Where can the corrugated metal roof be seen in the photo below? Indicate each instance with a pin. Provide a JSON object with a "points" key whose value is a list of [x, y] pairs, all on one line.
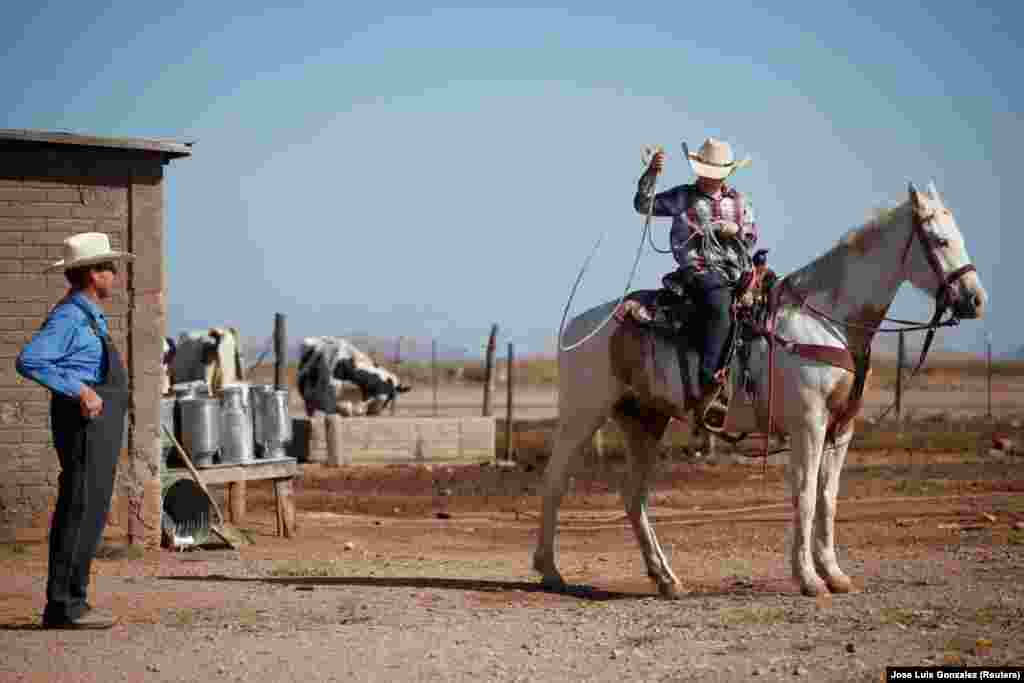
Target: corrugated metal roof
{"points": [[172, 149]]}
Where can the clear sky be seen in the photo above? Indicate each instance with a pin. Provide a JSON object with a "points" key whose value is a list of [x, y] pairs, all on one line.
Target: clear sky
{"points": [[396, 169]]}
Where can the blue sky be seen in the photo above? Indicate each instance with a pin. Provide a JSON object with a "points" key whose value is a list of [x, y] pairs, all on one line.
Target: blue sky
{"points": [[407, 170]]}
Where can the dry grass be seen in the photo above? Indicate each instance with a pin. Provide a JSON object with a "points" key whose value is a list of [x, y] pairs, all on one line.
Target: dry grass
{"points": [[898, 615], [12, 551], [533, 439], [919, 487], [355, 565]]}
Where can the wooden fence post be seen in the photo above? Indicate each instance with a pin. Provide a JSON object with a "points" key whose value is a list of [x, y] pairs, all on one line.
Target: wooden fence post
{"points": [[489, 369], [280, 352], [398, 364], [988, 372], [509, 451], [899, 382], [433, 370]]}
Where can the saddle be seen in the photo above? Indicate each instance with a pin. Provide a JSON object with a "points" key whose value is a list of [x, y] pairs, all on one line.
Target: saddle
{"points": [[672, 314]]}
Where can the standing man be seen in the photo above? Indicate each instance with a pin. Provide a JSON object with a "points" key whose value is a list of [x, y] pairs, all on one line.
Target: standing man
{"points": [[713, 230], [72, 356]]}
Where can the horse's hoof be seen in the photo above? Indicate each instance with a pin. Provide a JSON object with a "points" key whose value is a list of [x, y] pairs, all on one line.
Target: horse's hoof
{"points": [[814, 589], [553, 583], [672, 590], [839, 584]]}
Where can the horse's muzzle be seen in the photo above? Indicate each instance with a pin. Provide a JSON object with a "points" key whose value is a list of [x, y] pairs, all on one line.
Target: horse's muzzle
{"points": [[970, 304]]}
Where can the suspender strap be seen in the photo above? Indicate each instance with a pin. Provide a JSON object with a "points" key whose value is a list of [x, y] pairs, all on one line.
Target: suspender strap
{"points": [[90, 317], [104, 339]]}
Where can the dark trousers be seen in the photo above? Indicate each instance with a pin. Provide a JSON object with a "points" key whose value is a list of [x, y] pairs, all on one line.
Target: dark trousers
{"points": [[713, 298], [84, 492]]}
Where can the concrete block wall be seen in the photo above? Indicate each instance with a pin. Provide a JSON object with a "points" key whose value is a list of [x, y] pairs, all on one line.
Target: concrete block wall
{"points": [[400, 439], [47, 193]]}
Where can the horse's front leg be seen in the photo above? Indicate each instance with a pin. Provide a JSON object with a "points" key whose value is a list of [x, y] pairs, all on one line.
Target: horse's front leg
{"points": [[824, 525], [574, 431], [804, 461], [643, 435]]}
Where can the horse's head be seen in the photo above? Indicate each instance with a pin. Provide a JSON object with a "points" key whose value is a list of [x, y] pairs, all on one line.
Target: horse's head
{"points": [[937, 259]]}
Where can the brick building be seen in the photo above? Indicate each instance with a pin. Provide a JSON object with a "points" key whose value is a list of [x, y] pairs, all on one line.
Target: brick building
{"points": [[53, 185]]}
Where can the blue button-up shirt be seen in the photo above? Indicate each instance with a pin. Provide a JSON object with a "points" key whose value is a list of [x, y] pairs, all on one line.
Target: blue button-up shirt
{"points": [[65, 352]]}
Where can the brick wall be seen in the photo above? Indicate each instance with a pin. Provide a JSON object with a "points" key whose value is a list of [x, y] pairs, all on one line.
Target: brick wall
{"points": [[47, 193]]}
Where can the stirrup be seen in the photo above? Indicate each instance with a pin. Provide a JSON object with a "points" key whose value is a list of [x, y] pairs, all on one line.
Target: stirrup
{"points": [[713, 409]]}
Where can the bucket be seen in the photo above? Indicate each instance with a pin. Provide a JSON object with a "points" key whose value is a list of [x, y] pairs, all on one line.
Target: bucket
{"points": [[272, 425], [236, 424], [200, 429], [276, 423], [259, 394]]}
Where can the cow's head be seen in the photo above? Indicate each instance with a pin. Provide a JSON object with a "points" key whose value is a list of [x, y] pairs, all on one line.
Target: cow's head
{"points": [[379, 386], [344, 363]]}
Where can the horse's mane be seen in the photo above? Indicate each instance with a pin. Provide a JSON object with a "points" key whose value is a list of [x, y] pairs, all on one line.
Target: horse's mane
{"points": [[821, 273]]}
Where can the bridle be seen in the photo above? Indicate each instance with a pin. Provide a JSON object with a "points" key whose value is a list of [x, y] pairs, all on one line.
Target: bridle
{"points": [[943, 299], [943, 294], [859, 363]]}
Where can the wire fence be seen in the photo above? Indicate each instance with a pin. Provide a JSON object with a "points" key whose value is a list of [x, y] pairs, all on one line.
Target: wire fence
{"points": [[974, 404]]}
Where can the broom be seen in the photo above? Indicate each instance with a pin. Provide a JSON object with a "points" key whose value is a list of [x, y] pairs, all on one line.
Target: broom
{"points": [[220, 529]]}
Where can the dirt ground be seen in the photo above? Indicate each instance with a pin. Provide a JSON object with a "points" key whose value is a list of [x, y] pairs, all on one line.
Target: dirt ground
{"points": [[422, 573]]}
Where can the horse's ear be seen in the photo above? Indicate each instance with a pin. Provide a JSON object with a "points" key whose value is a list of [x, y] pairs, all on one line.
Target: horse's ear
{"points": [[916, 198], [934, 193]]}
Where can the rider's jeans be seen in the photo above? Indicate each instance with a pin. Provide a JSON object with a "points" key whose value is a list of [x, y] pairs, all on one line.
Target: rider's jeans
{"points": [[713, 297]]}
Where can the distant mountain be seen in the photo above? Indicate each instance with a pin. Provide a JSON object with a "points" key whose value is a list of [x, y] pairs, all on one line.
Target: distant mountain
{"points": [[1016, 354]]}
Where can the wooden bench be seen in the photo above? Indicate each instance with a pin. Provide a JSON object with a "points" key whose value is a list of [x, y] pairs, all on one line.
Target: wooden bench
{"points": [[281, 471]]}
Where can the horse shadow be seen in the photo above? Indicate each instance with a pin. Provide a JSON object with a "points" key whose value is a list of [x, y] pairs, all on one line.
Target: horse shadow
{"points": [[582, 592], [578, 591]]}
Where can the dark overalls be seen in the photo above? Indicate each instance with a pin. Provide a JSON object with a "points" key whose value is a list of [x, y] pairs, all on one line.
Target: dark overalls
{"points": [[88, 450]]}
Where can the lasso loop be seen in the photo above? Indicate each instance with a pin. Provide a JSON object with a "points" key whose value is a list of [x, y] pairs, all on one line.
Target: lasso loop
{"points": [[646, 154]]}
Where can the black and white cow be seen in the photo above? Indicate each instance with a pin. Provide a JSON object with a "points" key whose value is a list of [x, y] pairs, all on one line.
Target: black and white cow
{"points": [[326, 363], [213, 355], [166, 360]]}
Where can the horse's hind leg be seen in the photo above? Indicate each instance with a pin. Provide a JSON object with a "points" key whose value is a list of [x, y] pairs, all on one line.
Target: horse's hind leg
{"points": [[574, 432], [824, 549], [643, 434]]}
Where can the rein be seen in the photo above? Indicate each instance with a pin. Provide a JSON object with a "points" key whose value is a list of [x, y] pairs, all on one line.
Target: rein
{"points": [[859, 364]]}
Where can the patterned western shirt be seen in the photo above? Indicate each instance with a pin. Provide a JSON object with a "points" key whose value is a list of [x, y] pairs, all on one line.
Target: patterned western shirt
{"points": [[692, 214]]}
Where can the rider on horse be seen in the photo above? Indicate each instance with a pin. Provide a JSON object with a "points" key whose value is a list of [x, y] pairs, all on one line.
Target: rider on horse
{"points": [[713, 231]]}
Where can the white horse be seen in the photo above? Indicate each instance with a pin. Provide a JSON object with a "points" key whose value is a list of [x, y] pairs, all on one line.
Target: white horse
{"points": [[632, 376]]}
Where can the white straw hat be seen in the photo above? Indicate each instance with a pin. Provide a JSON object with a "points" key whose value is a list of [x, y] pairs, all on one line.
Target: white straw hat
{"points": [[714, 159], [86, 249]]}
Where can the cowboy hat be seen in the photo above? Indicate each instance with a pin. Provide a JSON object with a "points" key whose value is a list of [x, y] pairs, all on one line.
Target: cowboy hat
{"points": [[714, 159], [86, 249]]}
